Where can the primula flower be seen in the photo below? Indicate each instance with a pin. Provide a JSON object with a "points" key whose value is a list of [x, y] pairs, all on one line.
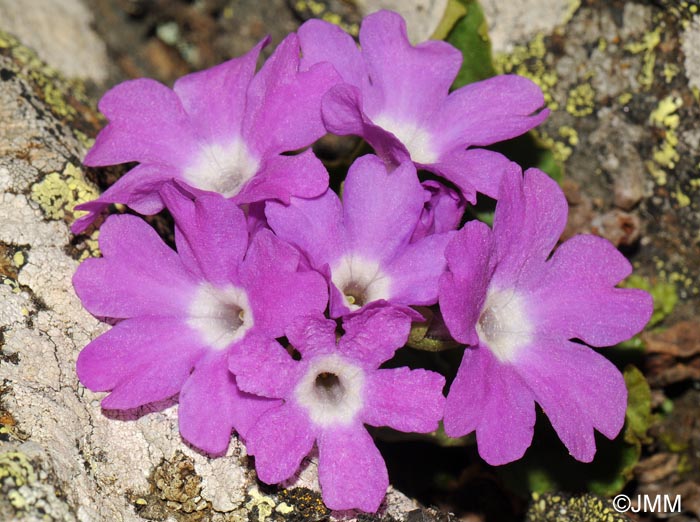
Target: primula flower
{"points": [[222, 130], [329, 394], [363, 246], [396, 96], [181, 313], [520, 311]]}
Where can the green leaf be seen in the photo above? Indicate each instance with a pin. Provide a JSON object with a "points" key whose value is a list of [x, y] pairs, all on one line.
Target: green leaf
{"points": [[470, 36], [454, 12]]}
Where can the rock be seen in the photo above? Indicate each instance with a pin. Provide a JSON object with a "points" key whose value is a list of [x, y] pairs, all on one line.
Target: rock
{"points": [[61, 34]]}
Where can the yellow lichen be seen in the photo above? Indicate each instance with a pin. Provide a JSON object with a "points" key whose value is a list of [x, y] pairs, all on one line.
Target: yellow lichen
{"points": [[665, 116], [570, 134], [18, 259], [670, 71], [659, 175], [683, 199], [284, 508], [15, 466], [264, 504], [528, 61], [647, 46], [624, 98], [581, 100], [57, 193]]}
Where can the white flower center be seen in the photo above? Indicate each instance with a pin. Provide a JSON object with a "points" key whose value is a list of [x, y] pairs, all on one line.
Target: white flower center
{"points": [[331, 390], [417, 141], [220, 315], [503, 325], [360, 281], [222, 169]]}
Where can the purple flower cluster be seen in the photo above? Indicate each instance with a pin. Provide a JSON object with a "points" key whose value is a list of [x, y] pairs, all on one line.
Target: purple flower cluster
{"points": [[274, 315]]}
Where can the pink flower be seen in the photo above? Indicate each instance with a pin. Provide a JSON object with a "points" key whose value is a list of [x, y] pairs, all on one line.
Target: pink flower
{"points": [[329, 395], [221, 130], [520, 310], [181, 313]]}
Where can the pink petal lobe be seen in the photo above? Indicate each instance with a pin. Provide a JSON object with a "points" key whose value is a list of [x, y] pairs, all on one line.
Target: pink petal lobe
{"points": [[491, 398], [404, 399], [407, 82], [262, 366], [147, 123], [579, 390], [279, 442], [218, 114], [280, 177], [579, 298], [380, 208], [138, 275], [530, 216], [212, 406], [351, 470], [374, 333], [462, 289], [312, 334], [489, 111], [144, 359]]}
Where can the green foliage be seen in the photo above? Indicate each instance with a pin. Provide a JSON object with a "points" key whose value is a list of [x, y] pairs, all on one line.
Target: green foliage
{"points": [[546, 467], [470, 36]]}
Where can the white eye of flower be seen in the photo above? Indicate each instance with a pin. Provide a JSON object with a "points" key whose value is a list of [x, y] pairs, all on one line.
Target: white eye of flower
{"points": [[503, 325], [220, 315], [222, 169], [417, 141], [331, 390], [360, 281]]}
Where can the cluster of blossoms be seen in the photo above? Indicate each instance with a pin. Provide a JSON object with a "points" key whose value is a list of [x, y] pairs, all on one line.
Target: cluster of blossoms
{"points": [[282, 301]]}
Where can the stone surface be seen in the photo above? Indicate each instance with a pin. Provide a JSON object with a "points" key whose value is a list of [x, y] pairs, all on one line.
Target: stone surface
{"points": [[511, 23], [61, 34]]}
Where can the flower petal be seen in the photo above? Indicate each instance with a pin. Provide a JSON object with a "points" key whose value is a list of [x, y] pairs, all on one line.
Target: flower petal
{"points": [[416, 271], [488, 111], [262, 366], [380, 209], [138, 189], [404, 399], [315, 226], [290, 116], [212, 230], [215, 99], [278, 293], [279, 442], [374, 333], [147, 124], [211, 406], [144, 359], [312, 334], [491, 398], [578, 389], [351, 470], [408, 83], [579, 300], [138, 275], [342, 111], [474, 170], [462, 289], [325, 42], [530, 216], [302, 175]]}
